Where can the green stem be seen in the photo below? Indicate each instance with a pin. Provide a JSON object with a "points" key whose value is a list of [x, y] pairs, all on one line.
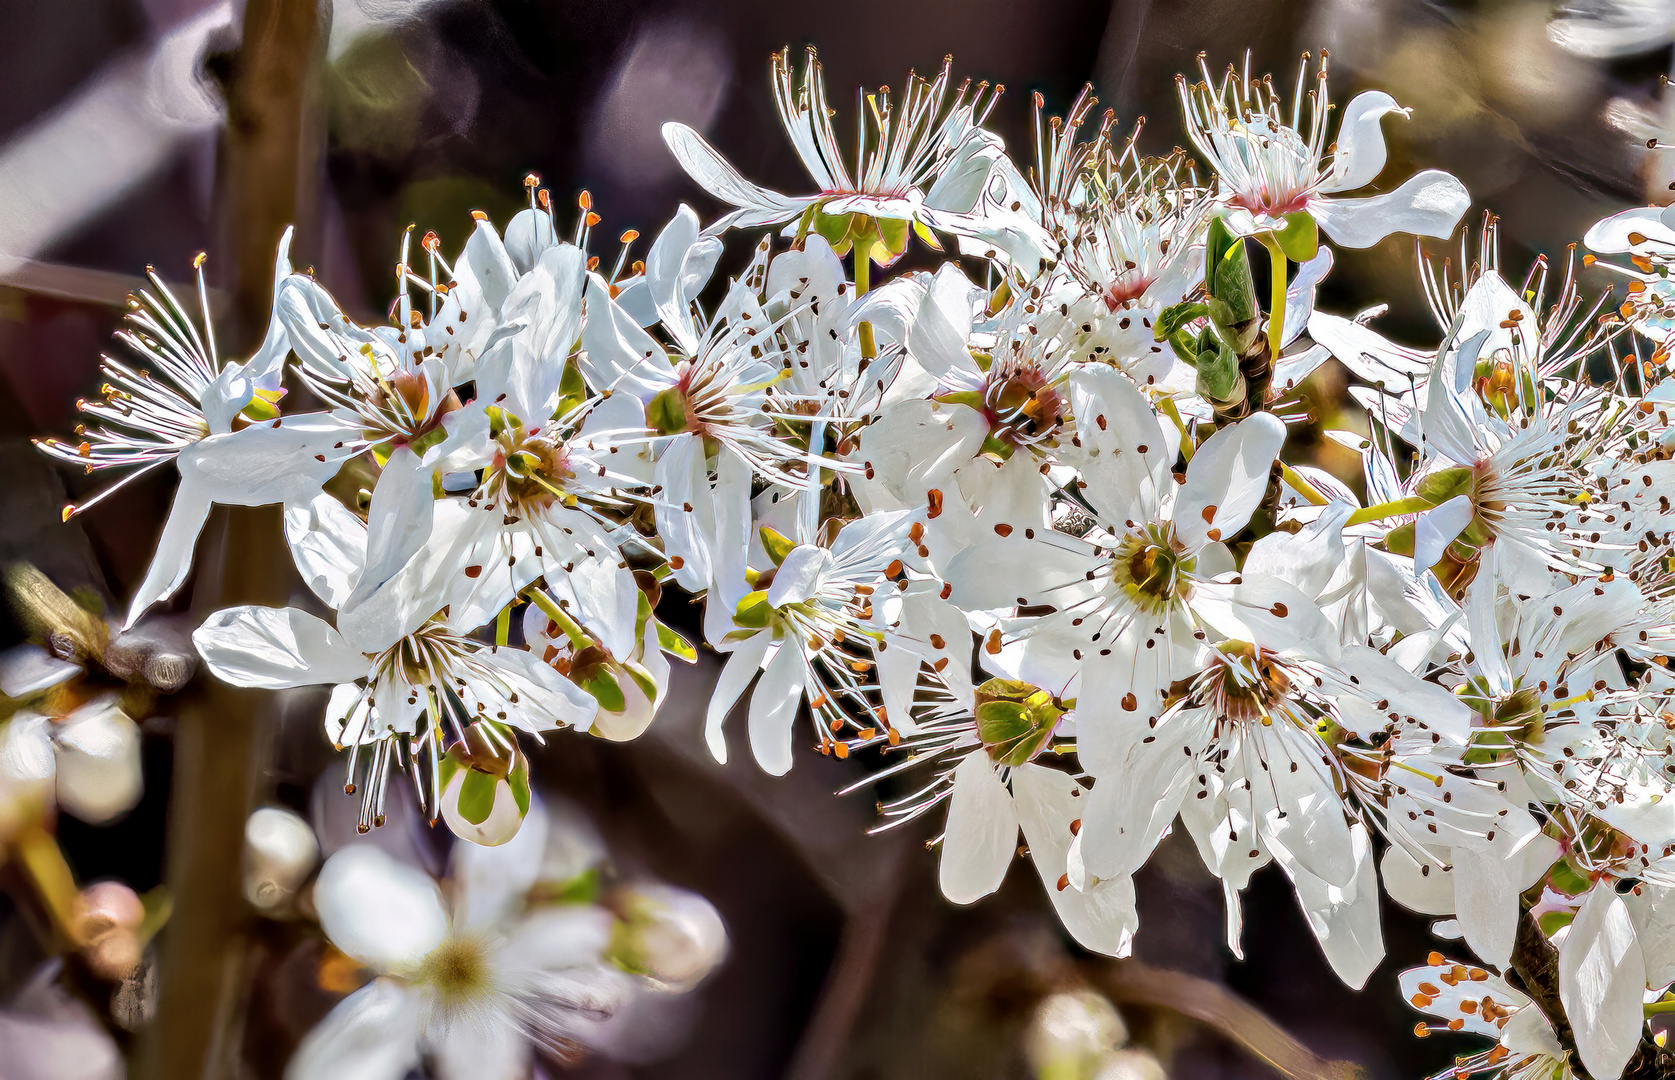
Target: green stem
{"points": [[1302, 486], [1413, 504], [803, 226], [1166, 405], [549, 607], [1656, 1007], [863, 281], [1277, 265]]}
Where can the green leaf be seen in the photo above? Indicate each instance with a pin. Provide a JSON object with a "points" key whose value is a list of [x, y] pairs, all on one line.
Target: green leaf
{"points": [[1218, 373], [777, 545], [1299, 238], [476, 796], [754, 610], [1176, 316]]}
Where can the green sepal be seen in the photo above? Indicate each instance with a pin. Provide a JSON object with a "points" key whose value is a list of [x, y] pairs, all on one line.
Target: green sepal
{"points": [[1399, 541], [923, 232], [672, 643], [584, 888], [778, 545], [995, 448], [892, 239], [434, 437], [971, 399], [605, 690], [642, 678], [835, 229], [754, 610], [666, 413], [1554, 921], [1299, 237], [1444, 484], [572, 389], [476, 796], [519, 782], [1564, 878]]}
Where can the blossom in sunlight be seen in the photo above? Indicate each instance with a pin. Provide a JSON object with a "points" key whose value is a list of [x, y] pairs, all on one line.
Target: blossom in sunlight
{"points": [[921, 158], [1277, 170]]}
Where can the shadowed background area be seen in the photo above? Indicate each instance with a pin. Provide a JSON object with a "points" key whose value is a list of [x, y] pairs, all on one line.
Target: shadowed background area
{"points": [[845, 961]]}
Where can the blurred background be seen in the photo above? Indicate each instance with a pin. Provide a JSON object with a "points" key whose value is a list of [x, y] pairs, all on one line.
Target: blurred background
{"points": [[140, 132]]}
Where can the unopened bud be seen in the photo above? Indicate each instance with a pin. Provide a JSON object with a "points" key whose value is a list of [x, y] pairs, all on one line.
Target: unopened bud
{"points": [[1072, 1034], [485, 789], [669, 935], [279, 853]]}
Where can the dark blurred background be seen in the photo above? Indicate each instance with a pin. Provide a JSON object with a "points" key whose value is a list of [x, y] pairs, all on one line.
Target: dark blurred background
{"points": [[846, 962]]}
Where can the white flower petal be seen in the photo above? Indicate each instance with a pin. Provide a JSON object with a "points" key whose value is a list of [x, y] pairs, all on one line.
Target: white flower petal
{"points": [[1602, 980], [773, 708], [741, 667], [274, 648], [1227, 479], [1435, 529], [982, 832], [1360, 153], [328, 543], [1101, 916], [383, 912], [712, 172], [1429, 203], [373, 1034]]}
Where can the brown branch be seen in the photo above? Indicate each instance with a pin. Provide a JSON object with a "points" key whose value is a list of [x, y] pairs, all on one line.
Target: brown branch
{"points": [[1129, 982], [222, 737]]}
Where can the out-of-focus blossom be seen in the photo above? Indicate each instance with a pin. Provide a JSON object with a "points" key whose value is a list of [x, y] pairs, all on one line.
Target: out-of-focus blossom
{"points": [[280, 851]]}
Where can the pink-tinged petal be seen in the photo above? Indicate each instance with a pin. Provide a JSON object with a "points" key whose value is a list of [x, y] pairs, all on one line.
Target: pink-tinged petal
{"points": [[275, 648], [982, 832], [1430, 203]]}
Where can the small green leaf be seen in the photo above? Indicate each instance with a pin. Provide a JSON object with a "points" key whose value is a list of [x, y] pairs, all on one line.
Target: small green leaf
{"points": [[572, 390], [753, 611], [1176, 316]]}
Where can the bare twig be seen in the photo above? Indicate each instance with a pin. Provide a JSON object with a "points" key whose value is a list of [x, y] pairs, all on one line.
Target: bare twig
{"points": [[1129, 982]]}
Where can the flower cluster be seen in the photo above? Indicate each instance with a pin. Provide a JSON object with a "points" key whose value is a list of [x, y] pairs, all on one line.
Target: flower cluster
{"points": [[1020, 530]]}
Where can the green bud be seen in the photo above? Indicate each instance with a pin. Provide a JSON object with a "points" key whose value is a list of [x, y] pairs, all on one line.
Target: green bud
{"points": [[1015, 720]]}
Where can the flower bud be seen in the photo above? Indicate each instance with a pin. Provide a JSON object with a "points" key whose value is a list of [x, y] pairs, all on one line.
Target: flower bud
{"points": [[1072, 1034], [109, 916], [279, 852], [99, 775], [1015, 720], [485, 789], [669, 935]]}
